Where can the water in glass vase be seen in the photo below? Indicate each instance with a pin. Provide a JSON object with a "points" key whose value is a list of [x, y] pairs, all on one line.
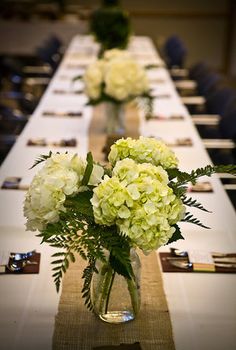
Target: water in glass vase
{"points": [[115, 118], [116, 299]]}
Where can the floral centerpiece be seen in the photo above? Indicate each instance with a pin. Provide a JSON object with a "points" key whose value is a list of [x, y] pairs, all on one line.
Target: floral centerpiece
{"points": [[105, 213], [110, 25], [116, 79]]}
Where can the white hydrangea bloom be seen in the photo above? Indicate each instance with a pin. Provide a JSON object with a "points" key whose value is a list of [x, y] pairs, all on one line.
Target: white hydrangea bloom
{"points": [[125, 79], [143, 150], [93, 79], [118, 75], [139, 201], [116, 53], [60, 177]]}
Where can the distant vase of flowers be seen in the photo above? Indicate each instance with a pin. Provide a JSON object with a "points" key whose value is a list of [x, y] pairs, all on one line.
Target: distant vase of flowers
{"points": [[114, 80], [105, 213], [110, 25]]}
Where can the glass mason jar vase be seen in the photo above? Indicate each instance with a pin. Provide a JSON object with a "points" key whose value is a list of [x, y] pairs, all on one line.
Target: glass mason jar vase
{"points": [[115, 118], [116, 299]]}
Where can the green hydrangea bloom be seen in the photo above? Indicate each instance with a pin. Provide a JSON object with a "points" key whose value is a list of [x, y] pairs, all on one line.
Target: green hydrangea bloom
{"points": [[139, 201], [143, 150]]}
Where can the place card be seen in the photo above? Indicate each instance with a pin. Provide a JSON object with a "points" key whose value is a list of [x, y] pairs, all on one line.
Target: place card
{"points": [[62, 114], [160, 96], [66, 77], [14, 183], [76, 65], [42, 142], [68, 92], [201, 186], [186, 142], [201, 260], [173, 117], [157, 80]]}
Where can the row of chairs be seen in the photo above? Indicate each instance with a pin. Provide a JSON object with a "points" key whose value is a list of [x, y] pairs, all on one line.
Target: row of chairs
{"points": [[22, 82], [211, 102]]}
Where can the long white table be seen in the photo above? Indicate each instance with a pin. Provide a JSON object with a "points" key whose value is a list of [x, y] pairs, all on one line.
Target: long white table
{"points": [[202, 305]]}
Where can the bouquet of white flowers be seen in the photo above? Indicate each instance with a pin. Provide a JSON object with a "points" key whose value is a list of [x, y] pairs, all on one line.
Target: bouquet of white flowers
{"points": [[116, 77], [83, 207]]}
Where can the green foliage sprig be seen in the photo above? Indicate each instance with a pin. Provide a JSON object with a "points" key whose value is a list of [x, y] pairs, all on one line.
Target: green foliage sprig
{"points": [[111, 27], [179, 181], [76, 232]]}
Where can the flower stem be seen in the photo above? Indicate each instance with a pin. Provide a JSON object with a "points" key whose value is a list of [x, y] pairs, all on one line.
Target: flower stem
{"points": [[106, 286], [109, 290], [134, 295]]}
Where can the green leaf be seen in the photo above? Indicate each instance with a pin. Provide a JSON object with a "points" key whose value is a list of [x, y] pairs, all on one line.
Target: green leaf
{"points": [[58, 254], [66, 263], [176, 236], [88, 169], [57, 261], [56, 268], [72, 257], [41, 159], [121, 264], [81, 203]]}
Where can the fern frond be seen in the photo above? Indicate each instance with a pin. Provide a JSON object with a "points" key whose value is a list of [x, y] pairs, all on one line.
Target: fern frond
{"points": [[193, 203], [183, 177], [62, 266], [41, 159], [229, 169], [191, 219], [87, 277]]}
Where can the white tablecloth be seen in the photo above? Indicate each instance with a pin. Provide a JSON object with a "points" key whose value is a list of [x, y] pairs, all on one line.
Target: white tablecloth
{"points": [[202, 305]]}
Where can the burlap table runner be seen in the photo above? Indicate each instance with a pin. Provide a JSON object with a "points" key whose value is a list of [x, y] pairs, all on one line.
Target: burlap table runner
{"points": [[78, 328], [75, 326]]}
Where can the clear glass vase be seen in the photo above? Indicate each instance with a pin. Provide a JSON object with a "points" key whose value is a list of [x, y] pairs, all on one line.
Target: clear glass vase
{"points": [[116, 299], [115, 118]]}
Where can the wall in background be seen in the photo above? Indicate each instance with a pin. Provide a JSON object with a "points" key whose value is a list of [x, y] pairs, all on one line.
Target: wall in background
{"points": [[206, 26]]}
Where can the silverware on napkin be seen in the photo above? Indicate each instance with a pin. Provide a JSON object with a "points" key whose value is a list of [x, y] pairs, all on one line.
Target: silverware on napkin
{"points": [[184, 264]]}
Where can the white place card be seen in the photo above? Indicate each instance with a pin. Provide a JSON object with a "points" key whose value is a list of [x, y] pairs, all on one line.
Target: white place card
{"points": [[201, 260]]}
